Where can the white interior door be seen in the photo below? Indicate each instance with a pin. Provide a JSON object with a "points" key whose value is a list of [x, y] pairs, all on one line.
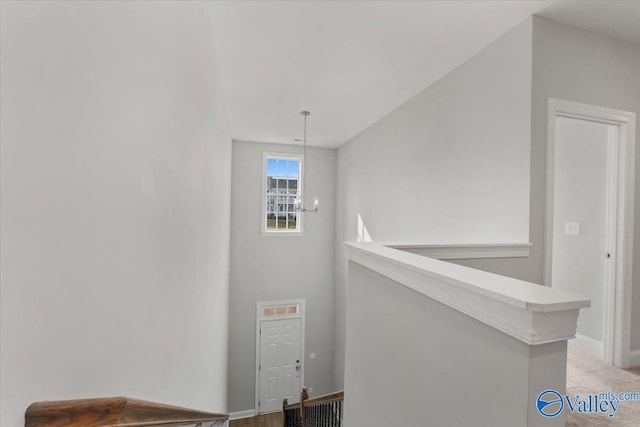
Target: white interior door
{"points": [[280, 365], [583, 211]]}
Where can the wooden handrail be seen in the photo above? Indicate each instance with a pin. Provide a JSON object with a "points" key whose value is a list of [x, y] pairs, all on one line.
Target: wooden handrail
{"points": [[113, 412], [325, 398]]}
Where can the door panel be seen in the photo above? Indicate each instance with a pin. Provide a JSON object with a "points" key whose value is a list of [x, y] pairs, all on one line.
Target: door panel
{"points": [[579, 220], [280, 367]]}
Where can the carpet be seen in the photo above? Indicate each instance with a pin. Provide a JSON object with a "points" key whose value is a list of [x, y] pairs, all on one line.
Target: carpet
{"points": [[588, 375]]}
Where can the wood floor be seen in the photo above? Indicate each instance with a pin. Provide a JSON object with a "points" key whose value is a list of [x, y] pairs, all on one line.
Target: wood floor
{"points": [[266, 420]]}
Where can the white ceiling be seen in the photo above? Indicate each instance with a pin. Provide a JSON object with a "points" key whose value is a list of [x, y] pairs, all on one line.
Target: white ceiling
{"points": [[619, 19], [350, 62]]}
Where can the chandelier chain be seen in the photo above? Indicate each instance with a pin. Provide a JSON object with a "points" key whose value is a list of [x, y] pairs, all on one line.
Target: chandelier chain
{"points": [[304, 155]]}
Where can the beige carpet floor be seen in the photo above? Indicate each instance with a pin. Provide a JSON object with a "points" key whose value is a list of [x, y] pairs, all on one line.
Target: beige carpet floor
{"points": [[588, 375]]}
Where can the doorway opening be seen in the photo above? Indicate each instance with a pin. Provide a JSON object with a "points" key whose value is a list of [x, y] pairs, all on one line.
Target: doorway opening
{"points": [[279, 350], [589, 219]]}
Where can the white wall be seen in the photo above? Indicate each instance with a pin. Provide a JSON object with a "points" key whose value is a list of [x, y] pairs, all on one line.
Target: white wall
{"points": [[577, 65], [115, 205], [580, 195], [452, 370], [449, 166], [265, 268]]}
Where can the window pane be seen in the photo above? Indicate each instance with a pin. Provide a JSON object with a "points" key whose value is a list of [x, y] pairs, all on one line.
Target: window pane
{"points": [[293, 169], [271, 167], [282, 168]]}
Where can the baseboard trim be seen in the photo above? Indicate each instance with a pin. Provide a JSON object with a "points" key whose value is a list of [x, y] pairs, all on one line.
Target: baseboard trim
{"points": [[589, 344], [242, 414], [634, 358], [467, 251]]}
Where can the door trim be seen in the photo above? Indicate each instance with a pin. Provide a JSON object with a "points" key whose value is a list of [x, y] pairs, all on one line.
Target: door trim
{"points": [[260, 317], [618, 299]]}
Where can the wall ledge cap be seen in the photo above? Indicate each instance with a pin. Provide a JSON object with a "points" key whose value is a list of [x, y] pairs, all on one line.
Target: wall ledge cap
{"points": [[532, 313], [466, 250]]}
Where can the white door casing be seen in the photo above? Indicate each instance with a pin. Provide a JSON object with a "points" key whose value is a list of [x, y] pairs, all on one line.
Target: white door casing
{"points": [[620, 213], [279, 353]]}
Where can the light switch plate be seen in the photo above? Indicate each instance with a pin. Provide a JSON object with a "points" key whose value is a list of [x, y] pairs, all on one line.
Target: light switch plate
{"points": [[572, 228], [312, 356]]}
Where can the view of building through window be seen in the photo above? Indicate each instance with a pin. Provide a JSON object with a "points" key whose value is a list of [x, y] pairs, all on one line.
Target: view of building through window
{"points": [[282, 184]]}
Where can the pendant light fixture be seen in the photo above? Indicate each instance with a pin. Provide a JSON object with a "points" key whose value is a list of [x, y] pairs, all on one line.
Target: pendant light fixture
{"points": [[299, 203]]}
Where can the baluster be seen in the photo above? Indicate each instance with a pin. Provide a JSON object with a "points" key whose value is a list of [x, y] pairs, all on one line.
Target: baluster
{"points": [[333, 414], [328, 414], [328, 411]]}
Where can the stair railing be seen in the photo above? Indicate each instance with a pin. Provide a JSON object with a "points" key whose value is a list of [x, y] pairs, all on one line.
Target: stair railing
{"points": [[321, 411], [116, 412]]}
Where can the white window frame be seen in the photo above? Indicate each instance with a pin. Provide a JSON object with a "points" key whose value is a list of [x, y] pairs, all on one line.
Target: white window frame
{"points": [[263, 208]]}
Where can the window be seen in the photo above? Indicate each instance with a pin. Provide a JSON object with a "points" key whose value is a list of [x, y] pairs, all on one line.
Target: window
{"points": [[281, 188]]}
